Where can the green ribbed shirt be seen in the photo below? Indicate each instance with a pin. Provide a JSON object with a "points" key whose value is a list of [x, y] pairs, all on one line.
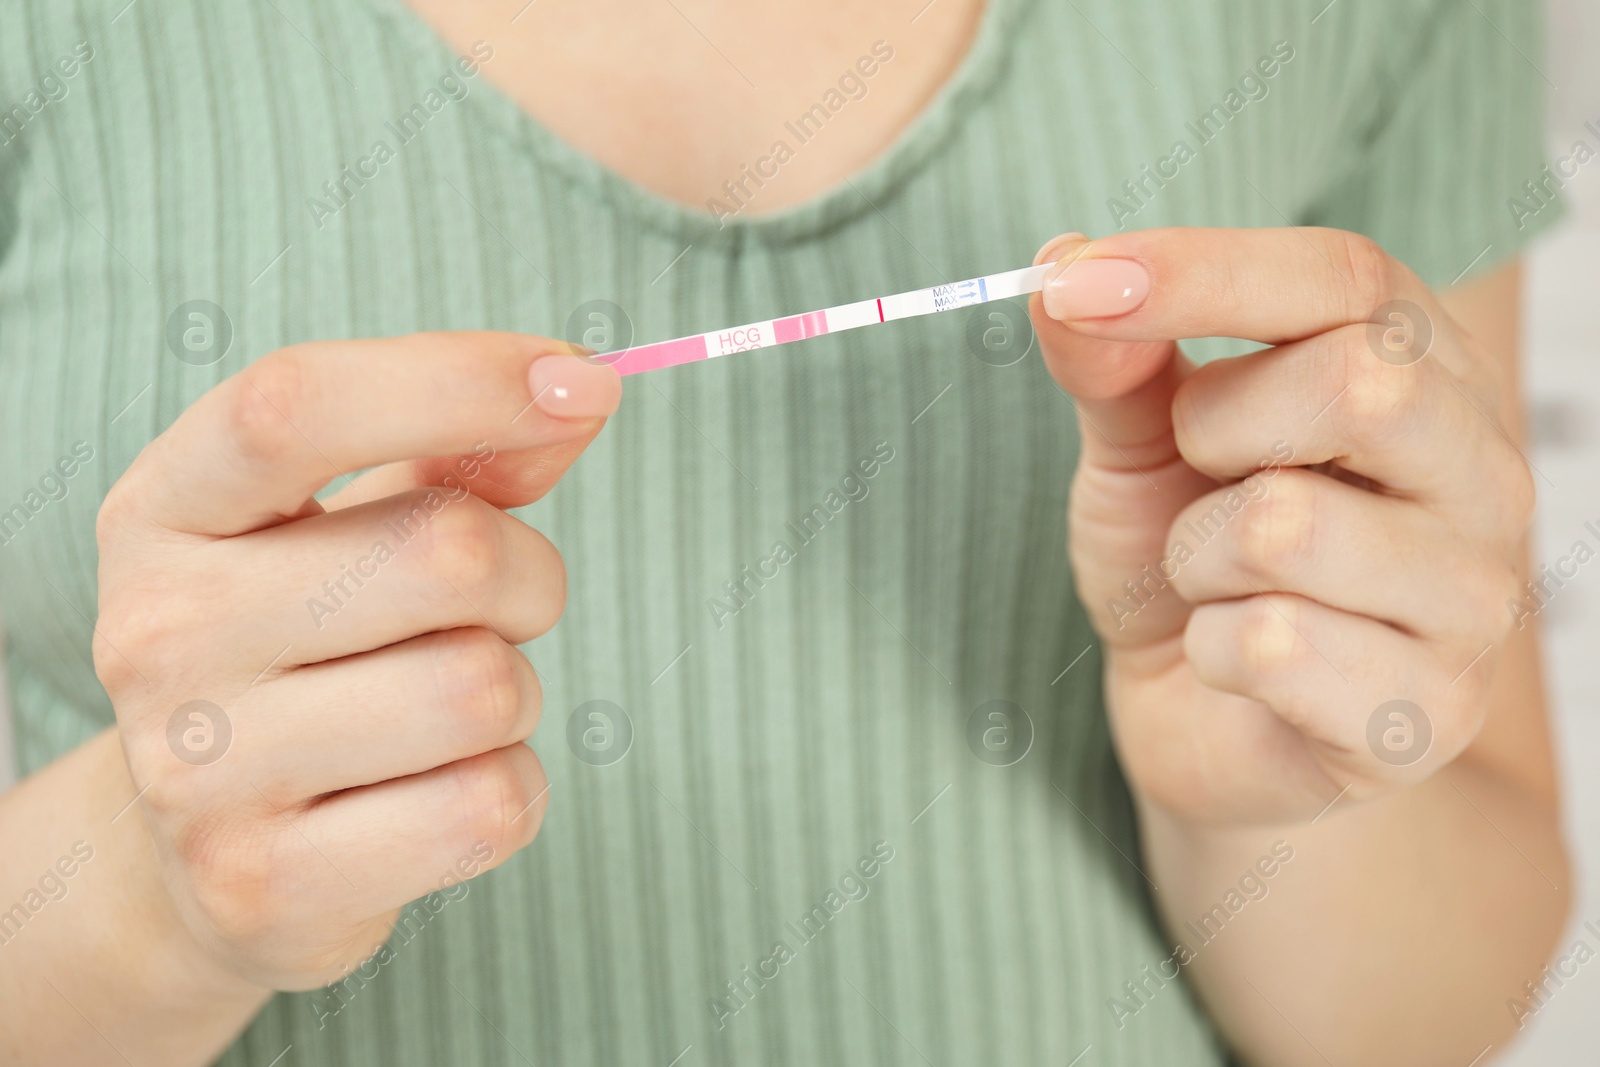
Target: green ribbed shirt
{"points": [[831, 780]]}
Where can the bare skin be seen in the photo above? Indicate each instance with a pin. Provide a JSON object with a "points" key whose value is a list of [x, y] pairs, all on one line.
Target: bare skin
{"points": [[1241, 695], [206, 893], [1404, 906], [720, 77]]}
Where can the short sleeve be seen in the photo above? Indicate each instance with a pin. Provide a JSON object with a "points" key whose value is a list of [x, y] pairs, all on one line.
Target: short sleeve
{"points": [[1449, 175]]}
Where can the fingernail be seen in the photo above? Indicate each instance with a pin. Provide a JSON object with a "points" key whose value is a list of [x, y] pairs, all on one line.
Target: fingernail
{"points": [[1059, 248], [1094, 288], [571, 387]]}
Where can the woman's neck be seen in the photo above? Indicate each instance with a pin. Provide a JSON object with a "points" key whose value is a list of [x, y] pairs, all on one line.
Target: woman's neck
{"points": [[691, 98]]}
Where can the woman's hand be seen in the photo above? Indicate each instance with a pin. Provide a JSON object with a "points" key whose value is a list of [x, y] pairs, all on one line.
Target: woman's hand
{"points": [[1276, 547], [324, 705]]}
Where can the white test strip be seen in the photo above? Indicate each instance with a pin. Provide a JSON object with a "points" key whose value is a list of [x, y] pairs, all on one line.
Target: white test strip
{"points": [[752, 335]]}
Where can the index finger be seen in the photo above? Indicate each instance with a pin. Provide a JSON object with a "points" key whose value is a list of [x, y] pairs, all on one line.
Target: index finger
{"points": [[253, 451], [1264, 285]]}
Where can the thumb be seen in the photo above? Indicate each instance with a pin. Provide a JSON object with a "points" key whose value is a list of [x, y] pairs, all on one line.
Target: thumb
{"points": [[1130, 483], [582, 394], [1123, 389]]}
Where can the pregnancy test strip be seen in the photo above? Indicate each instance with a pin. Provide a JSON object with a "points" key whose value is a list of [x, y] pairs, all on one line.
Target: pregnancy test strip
{"points": [[753, 335]]}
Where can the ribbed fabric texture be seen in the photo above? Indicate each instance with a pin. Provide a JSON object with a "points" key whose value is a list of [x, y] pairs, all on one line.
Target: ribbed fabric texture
{"points": [[775, 747]]}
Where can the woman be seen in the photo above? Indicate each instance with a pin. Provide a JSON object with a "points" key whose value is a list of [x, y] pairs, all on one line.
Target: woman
{"points": [[845, 757]]}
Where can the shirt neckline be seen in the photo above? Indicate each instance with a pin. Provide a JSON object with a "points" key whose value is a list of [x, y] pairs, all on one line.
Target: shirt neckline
{"points": [[866, 190]]}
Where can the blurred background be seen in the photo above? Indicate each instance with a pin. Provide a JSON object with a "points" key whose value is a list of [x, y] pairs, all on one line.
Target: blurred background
{"points": [[1562, 339], [1562, 346]]}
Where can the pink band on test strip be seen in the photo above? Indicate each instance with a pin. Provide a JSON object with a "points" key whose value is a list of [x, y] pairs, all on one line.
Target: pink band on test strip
{"points": [[799, 327], [789, 329], [661, 354]]}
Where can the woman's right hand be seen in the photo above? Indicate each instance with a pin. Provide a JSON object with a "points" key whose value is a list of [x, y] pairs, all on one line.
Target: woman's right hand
{"points": [[361, 652]]}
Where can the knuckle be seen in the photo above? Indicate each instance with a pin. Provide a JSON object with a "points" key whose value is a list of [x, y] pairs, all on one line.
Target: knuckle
{"points": [[1382, 401], [266, 405], [172, 797], [1278, 532], [232, 879], [129, 634], [482, 686], [115, 671], [494, 793], [1369, 268], [463, 545], [115, 515], [1269, 640], [1205, 625]]}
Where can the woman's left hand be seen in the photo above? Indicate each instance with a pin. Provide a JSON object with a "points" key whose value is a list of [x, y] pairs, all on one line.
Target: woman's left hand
{"points": [[1299, 560]]}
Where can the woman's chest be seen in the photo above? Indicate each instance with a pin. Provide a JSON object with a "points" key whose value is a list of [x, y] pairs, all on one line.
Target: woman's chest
{"points": [[682, 98]]}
